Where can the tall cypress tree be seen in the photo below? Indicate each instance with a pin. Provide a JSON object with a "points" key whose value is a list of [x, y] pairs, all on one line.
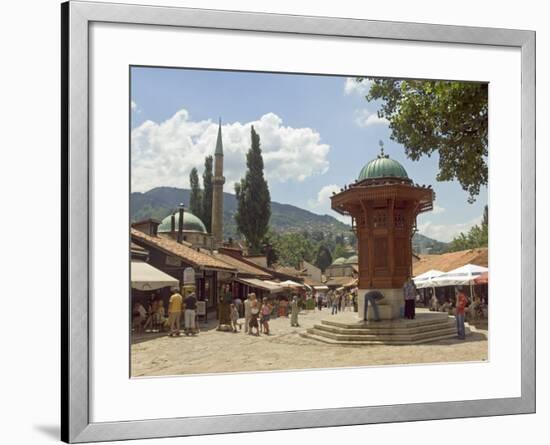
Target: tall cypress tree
{"points": [[206, 213], [253, 198], [195, 200]]}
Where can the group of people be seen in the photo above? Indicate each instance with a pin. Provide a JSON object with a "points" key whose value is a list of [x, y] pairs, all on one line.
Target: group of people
{"points": [[257, 315], [336, 300], [151, 319], [339, 301], [477, 309], [178, 305]]}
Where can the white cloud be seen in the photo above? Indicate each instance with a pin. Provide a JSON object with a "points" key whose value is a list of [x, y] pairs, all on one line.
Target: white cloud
{"points": [[164, 153], [437, 209], [446, 232], [134, 107], [351, 86], [366, 118], [321, 204]]}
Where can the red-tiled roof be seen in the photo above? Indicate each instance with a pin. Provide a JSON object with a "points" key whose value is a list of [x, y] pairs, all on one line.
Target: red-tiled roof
{"points": [[449, 261], [341, 281], [241, 266], [187, 254]]}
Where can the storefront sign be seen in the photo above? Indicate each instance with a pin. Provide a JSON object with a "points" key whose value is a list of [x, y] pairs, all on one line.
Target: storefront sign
{"points": [[201, 308], [189, 275]]}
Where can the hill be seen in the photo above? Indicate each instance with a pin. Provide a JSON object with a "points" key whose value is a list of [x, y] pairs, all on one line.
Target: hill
{"points": [[159, 202]]}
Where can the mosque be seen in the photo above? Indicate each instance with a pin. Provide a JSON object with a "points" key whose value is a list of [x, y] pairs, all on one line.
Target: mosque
{"points": [[193, 230]]}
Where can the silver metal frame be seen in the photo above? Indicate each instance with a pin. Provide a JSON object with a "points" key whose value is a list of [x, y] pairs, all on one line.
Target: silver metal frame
{"points": [[76, 18]]}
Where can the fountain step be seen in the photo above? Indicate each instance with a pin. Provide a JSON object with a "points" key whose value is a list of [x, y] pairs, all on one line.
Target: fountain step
{"points": [[330, 341], [373, 329], [385, 338], [391, 324]]}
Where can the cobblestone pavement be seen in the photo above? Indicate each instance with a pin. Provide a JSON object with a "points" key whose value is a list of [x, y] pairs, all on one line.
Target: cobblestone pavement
{"points": [[213, 351]]}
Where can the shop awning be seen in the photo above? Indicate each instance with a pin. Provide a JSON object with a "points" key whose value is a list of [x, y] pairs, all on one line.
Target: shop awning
{"points": [[269, 286], [146, 277], [320, 287], [290, 283]]}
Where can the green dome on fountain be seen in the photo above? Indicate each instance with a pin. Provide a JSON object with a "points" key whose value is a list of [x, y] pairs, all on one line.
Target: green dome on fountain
{"points": [[382, 167]]}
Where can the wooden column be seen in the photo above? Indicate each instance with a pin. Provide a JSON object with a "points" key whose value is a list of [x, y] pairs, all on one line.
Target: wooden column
{"points": [[391, 238]]}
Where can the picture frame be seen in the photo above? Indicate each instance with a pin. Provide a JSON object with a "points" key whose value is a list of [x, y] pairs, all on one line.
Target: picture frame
{"points": [[77, 280]]}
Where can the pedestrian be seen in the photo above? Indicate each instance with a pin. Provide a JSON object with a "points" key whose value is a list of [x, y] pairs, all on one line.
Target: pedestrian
{"points": [[266, 315], [372, 297], [139, 315], [434, 304], [158, 316], [320, 301], [151, 310], [461, 302], [247, 313], [190, 304], [226, 298], [334, 301], [174, 312], [239, 305], [409, 294], [254, 313], [235, 318], [294, 310]]}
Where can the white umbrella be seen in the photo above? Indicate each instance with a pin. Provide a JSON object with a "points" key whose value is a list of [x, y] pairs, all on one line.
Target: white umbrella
{"points": [[461, 276], [290, 283], [425, 280]]}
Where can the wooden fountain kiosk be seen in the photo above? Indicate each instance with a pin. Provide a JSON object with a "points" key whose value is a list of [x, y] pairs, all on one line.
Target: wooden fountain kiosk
{"points": [[383, 203]]}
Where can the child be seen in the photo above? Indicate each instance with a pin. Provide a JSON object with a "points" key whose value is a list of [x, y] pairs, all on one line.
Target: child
{"points": [[235, 318]]}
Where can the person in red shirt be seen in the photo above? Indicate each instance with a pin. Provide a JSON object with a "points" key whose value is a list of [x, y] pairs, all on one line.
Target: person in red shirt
{"points": [[461, 302]]}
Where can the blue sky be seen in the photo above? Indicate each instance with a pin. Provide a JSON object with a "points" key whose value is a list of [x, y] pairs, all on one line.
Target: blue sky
{"points": [[317, 132]]}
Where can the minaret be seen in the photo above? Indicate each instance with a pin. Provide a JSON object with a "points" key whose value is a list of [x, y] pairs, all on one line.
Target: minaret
{"points": [[217, 193]]}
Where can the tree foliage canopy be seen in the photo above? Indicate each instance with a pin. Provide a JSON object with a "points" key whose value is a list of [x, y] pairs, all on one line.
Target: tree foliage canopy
{"points": [[206, 213], [323, 258], [447, 117], [253, 198], [195, 200], [477, 236]]}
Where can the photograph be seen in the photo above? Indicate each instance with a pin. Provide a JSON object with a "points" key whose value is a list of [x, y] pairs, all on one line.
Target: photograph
{"points": [[291, 221]]}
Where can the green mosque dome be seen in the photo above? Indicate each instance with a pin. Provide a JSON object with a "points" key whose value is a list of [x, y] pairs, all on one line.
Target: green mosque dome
{"points": [[382, 167], [190, 223]]}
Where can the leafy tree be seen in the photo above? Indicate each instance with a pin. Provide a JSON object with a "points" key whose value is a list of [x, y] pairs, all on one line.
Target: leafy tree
{"points": [[318, 235], [339, 251], [293, 248], [477, 236], [206, 213], [450, 118], [195, 200], [253, 198], [323, 258]]}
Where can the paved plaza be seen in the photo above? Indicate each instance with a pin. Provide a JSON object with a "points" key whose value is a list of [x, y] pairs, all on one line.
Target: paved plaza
{"points": [[213, 351]]}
